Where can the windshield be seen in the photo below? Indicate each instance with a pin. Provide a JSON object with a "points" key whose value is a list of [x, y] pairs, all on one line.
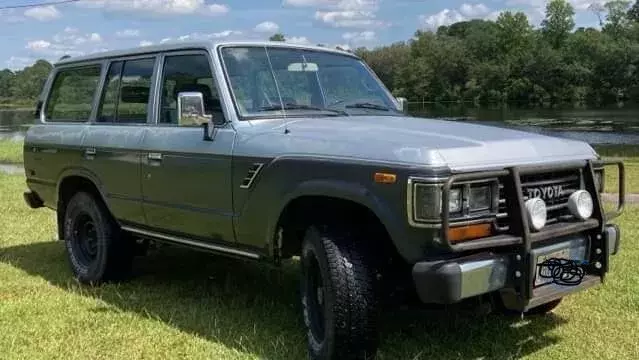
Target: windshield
{"points": [[277, 81]]}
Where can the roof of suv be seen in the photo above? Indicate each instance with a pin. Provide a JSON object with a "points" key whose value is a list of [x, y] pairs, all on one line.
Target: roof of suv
{"points": [[190, 45]]}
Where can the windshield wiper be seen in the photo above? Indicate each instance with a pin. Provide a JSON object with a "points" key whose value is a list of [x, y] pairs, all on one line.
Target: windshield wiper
{"points": [[367, 105], [301, 107]]}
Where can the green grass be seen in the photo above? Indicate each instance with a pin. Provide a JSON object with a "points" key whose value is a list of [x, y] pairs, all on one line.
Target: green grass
{"points": [[630, 156], [183, 304], [10, 151]]}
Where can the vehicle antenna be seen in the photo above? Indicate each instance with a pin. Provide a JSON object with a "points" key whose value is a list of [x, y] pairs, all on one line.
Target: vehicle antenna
{"points": [[279, 95]]}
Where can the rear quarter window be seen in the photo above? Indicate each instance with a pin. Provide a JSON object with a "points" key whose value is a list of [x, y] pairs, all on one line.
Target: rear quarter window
{"points": [[72, 93]]}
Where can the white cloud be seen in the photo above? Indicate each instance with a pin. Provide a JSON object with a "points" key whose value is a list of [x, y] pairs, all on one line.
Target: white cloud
{"points": [[473, 10], [196, 36], [165, 7], [68, 42], [442, 18], [43, 13], [146, 43], [349, 19], [218, 9], [19, 62], [38, 45], [299, 40], [359, 37], [360, 14], [336, 4], [71, 36], [267, 27], [450, 16], [128, 33], [308, 3]]}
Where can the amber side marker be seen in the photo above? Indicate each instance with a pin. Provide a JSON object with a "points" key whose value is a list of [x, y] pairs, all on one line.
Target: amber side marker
{"points": [[469, 232], [385, 178]]}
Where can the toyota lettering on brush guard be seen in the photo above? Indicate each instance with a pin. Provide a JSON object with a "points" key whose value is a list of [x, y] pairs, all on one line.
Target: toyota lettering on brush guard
{"points": [[273, 151]]}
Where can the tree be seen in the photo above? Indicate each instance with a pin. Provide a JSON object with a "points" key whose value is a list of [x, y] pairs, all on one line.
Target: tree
{"points": [[633, 13], [617, 21], [559, 22], [28, 82], [514, 32], [277, 37], [6, 83]]}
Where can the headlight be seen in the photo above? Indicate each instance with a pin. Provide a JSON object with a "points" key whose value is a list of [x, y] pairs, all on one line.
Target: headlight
{"points": [[480, 198], [455, 200], [469, 199], [428, 202], [427, 197]]}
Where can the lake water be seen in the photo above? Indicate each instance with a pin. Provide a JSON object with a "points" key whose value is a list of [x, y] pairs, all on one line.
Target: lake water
{"points": [[596, 126]]}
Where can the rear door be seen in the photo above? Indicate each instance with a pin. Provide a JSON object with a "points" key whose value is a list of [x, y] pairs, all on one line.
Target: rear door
{"points": [[112, 143], [56, 146], [186, 180]]}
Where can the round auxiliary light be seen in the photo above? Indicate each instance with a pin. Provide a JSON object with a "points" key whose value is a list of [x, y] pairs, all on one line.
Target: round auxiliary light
{"points": [[536, 209], [580, 204]]}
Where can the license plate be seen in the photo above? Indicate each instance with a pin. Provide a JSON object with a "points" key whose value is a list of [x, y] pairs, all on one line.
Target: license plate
{"points": [[541, 280]]}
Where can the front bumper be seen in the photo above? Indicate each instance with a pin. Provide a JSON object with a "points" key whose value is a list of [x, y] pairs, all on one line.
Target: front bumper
{"points": [[449, 281]]}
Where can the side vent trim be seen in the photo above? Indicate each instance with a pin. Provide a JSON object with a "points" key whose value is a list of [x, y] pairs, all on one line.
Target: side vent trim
{"points": [[251, 175]]}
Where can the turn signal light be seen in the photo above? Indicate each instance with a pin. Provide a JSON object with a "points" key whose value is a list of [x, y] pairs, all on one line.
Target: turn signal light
{"points": [[469, 232], [385, 178]]}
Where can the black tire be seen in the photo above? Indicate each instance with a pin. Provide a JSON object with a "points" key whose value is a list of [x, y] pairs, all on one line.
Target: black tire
{"points": [[97, 249], [339, 297]]}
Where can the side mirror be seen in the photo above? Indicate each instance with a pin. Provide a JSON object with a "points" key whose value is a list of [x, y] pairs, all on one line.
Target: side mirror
{"points": [[403, 105], [190, 109]]}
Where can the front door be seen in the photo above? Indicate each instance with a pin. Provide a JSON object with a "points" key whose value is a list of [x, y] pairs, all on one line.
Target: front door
{"points": [[186, 181]]}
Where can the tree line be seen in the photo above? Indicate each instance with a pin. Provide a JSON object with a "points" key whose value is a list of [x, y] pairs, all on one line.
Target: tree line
{"points": [[506, 61], [510, 61]]}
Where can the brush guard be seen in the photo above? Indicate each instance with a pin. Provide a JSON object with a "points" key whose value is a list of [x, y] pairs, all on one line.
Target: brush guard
{"points": [[522, 268]]}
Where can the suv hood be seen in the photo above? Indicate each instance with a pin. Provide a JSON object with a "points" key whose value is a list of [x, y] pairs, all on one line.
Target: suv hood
{"points": [[419, 141]]}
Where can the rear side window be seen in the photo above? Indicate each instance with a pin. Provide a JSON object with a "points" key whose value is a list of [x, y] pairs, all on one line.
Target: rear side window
{"points": [[72, 93], [127, 91]]}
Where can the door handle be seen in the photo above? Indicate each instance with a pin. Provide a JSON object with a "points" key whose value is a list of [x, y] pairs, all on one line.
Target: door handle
{"points": [[154, 157], [89, 153]]}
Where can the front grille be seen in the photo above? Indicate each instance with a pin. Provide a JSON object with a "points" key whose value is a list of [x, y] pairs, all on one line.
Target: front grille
{"points": [[553, 187]]}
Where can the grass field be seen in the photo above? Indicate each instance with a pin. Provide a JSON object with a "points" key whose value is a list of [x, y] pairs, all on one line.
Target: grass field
{"points": [[189, 305], [10, 151]]}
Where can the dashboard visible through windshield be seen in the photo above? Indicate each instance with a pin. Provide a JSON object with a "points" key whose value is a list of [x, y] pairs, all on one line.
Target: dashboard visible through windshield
{"points": [[281, 81]]}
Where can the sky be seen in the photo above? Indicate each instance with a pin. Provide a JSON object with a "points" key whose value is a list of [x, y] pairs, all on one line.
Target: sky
{"points": [[88, 26]]}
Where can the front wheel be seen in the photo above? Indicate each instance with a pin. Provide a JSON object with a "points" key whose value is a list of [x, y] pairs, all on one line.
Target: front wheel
{"points": [[339, 297]]}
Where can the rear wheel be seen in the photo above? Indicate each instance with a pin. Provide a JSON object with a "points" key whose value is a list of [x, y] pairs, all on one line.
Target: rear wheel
{"points": [[96, 247], [339, 297]]}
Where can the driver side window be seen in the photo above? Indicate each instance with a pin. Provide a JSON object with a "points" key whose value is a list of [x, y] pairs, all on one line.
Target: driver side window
{"points": [[188, 73]]}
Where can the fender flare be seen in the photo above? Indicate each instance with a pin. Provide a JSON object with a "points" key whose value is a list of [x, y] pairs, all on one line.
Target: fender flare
{"points": [[84, 173], [343, 190]]}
